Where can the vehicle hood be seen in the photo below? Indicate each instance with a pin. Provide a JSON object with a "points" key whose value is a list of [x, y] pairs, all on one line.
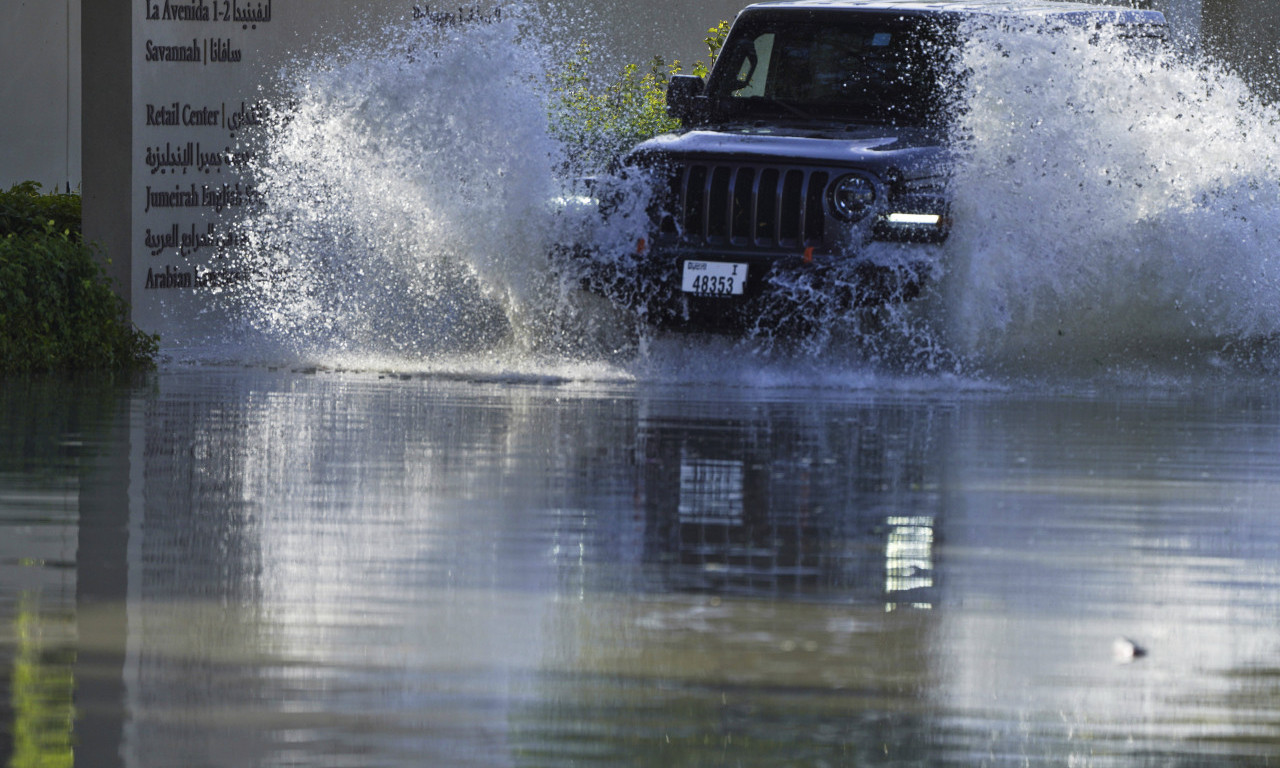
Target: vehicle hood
{"points": [[912, 152]]}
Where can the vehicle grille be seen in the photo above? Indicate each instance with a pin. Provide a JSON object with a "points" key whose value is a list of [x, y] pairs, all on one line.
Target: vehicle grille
{"points": [[748, 205]]}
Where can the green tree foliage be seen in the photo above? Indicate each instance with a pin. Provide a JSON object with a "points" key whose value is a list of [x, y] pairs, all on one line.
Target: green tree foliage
{"points": [[598, 122], [715, 41], [57, 308]]}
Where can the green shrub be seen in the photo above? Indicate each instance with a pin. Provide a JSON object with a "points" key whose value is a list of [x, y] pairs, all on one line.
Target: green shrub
{"points": [[23, 209], [57, 308], [598, 123]]}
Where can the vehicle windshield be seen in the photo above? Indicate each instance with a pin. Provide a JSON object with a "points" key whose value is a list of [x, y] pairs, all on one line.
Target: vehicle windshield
{"points": [[867, 68]]}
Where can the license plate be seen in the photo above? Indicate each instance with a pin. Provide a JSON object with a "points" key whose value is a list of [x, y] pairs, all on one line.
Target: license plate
{"points": [[714, 278]]}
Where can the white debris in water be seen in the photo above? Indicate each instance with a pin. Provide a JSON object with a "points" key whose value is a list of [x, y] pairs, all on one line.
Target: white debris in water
{"points": [[1125, 651]]}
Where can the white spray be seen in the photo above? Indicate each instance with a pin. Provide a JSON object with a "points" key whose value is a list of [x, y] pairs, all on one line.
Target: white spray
{"points": [[408, 190], [1107, 206]]}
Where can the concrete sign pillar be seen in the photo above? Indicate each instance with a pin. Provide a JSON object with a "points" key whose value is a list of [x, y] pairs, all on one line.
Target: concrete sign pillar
{"points": [[171, 92]]}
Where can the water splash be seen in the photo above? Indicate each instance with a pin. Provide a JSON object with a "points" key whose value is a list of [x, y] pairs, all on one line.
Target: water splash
{"points": [[1111, 206], [1111, 209], [407, 190]]}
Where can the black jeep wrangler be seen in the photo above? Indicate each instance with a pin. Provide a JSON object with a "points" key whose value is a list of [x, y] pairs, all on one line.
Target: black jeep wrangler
{"points": [[822, 128]]}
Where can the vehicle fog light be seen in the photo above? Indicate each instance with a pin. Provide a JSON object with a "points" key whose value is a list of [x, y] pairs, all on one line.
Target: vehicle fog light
{"points": [[914, 219]]}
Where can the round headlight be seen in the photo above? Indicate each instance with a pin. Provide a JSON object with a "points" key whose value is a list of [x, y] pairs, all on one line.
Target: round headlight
{"points": [[852, 196]]}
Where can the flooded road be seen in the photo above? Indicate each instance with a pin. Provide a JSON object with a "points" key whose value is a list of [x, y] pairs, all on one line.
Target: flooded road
{"points": [[488, 520], [245, 566]]}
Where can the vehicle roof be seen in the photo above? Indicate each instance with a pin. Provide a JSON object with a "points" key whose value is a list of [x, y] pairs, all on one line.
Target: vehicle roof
{"points": [[1003, 8]]}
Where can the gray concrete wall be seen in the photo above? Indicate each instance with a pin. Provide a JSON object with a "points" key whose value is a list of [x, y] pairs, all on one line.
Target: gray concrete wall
{"points": [[40, 91], [1246, 35]]}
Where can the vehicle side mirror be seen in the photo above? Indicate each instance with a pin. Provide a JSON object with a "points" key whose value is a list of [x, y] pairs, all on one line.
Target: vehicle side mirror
{"points": [[685, 99]]}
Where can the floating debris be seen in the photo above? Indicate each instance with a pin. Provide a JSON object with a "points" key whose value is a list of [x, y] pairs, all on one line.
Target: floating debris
{"points": [[1126, 651]]}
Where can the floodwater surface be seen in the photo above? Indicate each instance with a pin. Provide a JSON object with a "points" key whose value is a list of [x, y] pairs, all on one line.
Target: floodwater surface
{"points": [[419, 501], [235, 567]]}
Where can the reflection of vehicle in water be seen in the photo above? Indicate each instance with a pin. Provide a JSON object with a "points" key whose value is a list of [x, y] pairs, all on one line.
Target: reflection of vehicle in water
{"points": [[724, 537], [765, 513], [820, 132]]}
